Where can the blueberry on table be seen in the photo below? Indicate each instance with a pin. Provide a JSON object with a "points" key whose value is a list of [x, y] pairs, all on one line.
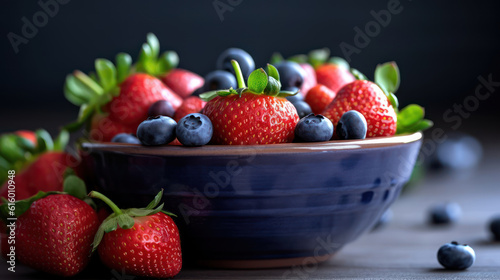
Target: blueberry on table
{"points": [[456, 256], [161, 108], [219, 79], [154, 131], [291, 74], [352, 125], [194, 130], [244, 59], [495, 227], [314, 128], [125, 138], [445, 213], [296, 97], [303, 109]]}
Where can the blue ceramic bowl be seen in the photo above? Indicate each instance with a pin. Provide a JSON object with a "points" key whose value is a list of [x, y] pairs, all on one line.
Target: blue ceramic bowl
{"points": [[261, 206]]}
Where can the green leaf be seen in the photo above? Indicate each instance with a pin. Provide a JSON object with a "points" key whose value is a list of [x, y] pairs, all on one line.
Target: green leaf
{"points": [[257, 81], [44, 141], [9, 148], [318, 57], [61, 141], [299, 58], [137, 212], [156, 200], [106, 72], [154, 44], [123, 65], [394, 100], [410, 115], [146, 61], [168, 61], [273, 72], [339, 61], [273, 87], [223, 92], [286, 93], [276, 58], [89, 82], [108, 225], [209, 95], [25, 144], [387, 76], [75, 187], [358, 75], [419, 126], [168, 213], [125, 221], [77, 92], [22, 206]]}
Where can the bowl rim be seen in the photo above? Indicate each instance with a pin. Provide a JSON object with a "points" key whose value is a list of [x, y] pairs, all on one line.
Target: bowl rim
{"points": [[227, 150]]}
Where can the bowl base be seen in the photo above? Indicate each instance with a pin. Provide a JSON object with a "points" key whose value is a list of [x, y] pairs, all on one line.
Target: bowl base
{"points": [[258, 264]]}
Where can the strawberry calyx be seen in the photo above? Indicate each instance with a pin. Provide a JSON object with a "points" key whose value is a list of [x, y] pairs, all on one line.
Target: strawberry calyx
{"points": [[17, 151], [151, 62], [260, 82], [96, 89], [124, 218], [315, 58], [73, 185]]}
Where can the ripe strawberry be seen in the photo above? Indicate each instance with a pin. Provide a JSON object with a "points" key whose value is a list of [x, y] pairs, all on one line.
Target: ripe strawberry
{"points": [[28, 135], [367, 98], [333, 76], [190, 105], [55, 234], [253, 115], [146, 242], [39, 167], [319, 97], [309, 78], [182, 82], [103, 128]]}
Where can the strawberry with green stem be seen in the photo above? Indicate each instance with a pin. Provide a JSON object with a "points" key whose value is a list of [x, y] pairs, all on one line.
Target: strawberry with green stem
{"points": [[114, 100], [181, 81], [378, 104], [257, 114], [140, 241], [39, 164], [54, 230]]}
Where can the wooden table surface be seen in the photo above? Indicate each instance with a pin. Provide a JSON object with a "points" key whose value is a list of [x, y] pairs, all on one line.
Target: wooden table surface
{"points": [[405, 249]]}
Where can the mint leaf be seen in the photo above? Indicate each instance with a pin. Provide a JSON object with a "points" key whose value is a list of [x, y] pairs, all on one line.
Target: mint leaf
{"points": [[257, 81], [387, 76], [410, 115]]}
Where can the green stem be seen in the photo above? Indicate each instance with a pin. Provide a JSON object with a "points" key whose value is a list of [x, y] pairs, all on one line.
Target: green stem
{"points": [[239, 75], [106, 200]]}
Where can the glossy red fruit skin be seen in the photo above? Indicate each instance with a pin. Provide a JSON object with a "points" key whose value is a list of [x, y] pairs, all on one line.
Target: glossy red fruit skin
{"points": [[190, 105], [368, 99], [55, 235], [27, 134], [309, 79], [151, 248], [44, 174], [251, 119], [137, 93], [319, 97], [103, 128], [333, 76], [183, 82]]}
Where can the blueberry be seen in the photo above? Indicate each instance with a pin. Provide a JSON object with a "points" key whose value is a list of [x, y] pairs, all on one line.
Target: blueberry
{"points": [[154, 131], [194, 130], [244, 59], [294, 98], [303, 109], [495, 227], [456, 256], [291, 74], [219, 79], [445, 213], [458, 152], [125, 138], [161, 108], [352, 125], [314, 128]]}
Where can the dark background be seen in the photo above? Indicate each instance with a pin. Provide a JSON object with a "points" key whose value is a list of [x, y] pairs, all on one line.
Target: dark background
{"points": [[441, 47]]}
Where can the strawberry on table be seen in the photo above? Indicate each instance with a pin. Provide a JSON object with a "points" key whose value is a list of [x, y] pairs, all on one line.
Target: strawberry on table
{"points": [[54, 231], [257, 114], [38, 167], [309, 79], [319, 97], [181, 81], [142, 242]]}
